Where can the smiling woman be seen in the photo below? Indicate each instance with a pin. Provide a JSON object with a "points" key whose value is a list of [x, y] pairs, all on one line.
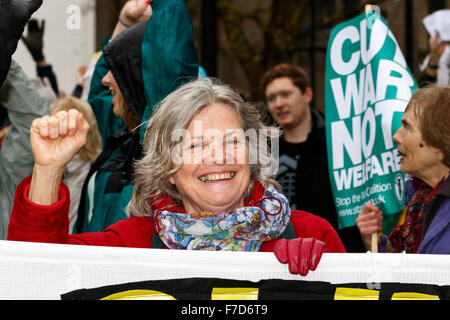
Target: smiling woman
{"points": [[219, 201], [217, 181], [204, 121]]}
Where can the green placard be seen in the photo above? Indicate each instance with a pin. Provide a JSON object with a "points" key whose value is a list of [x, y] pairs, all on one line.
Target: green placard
{"points": [[367, 88]]}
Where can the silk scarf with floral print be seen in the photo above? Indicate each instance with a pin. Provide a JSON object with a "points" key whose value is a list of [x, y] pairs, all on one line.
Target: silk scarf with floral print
{"points": [[241, 230]]}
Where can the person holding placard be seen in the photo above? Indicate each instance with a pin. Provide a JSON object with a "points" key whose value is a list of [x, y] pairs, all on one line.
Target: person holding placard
{"points": [[424, 143]]}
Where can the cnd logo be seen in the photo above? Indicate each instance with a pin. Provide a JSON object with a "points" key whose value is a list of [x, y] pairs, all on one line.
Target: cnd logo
{"points": [[399, 186]]}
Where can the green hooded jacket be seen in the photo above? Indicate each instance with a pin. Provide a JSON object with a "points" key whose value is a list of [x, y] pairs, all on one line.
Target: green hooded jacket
{"points": [[167, 59]]}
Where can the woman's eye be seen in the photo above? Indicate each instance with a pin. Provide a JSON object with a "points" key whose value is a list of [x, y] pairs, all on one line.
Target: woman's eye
{"points": [[194, 146]]}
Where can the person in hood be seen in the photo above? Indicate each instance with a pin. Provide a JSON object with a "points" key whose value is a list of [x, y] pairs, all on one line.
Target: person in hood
{"points": [[119, 108], [128, 80], [198, 186]]}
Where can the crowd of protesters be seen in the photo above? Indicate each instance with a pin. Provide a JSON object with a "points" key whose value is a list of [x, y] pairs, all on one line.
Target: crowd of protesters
{"points": [[101, 167]]}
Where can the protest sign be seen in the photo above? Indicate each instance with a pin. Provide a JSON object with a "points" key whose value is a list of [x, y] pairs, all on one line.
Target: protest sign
{"points": [[367, 88]]}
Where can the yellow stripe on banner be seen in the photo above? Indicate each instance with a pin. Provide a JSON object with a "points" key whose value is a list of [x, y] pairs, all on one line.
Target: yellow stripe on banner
{"points": [[139, 295], [356, 294], [413, 296], [235, 294]]}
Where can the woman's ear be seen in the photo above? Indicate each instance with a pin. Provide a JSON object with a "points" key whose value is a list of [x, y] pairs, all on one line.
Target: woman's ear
{"points": [[171, 180]]}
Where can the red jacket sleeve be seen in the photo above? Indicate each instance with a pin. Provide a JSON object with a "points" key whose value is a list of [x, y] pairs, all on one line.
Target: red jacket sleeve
{"points": [[50, 224], [307, 225], [134, 232], [37, 223]]}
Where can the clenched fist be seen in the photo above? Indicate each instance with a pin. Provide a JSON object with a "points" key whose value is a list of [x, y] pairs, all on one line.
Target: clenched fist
{"points": [[136, 11], [56, 139]]}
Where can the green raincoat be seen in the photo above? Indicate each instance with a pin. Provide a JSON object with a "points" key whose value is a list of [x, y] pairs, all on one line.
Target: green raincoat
{"points": [[168, 59]]}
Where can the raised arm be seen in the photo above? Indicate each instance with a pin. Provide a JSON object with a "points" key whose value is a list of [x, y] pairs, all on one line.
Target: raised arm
{"points": [[41, 202], [132, 12], [99, 96], [54, 141]]}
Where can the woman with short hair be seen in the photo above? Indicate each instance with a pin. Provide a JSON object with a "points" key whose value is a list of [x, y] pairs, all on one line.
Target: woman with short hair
{"points": [[424, 145]]}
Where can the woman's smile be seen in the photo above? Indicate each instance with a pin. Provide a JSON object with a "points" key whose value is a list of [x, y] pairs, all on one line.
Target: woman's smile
{"points": [[217, 177]]}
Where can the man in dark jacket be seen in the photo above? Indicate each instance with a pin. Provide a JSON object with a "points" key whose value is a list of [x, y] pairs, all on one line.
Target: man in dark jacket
{"points": [[303, 167]]}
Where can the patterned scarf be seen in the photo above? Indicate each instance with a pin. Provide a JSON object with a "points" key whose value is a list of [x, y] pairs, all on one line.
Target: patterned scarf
{"points": [[406, 237], [241, 230]]}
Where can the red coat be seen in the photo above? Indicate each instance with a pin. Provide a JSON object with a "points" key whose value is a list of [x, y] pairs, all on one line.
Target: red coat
{"points": [[50, 224]]}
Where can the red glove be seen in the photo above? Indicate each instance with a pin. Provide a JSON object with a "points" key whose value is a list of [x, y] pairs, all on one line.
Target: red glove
{"points": [[301, 254]]}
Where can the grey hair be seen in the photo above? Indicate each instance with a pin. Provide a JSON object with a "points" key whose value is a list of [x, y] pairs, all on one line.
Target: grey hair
{"points": [[153, 170]]}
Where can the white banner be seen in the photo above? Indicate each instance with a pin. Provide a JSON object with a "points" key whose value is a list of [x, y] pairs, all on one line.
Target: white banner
{"points": [[45, 271]]}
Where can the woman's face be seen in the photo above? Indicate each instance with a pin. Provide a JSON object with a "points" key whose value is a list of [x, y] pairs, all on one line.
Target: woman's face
{"points": [[215, 172], [418, 158], [110, 82]]}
